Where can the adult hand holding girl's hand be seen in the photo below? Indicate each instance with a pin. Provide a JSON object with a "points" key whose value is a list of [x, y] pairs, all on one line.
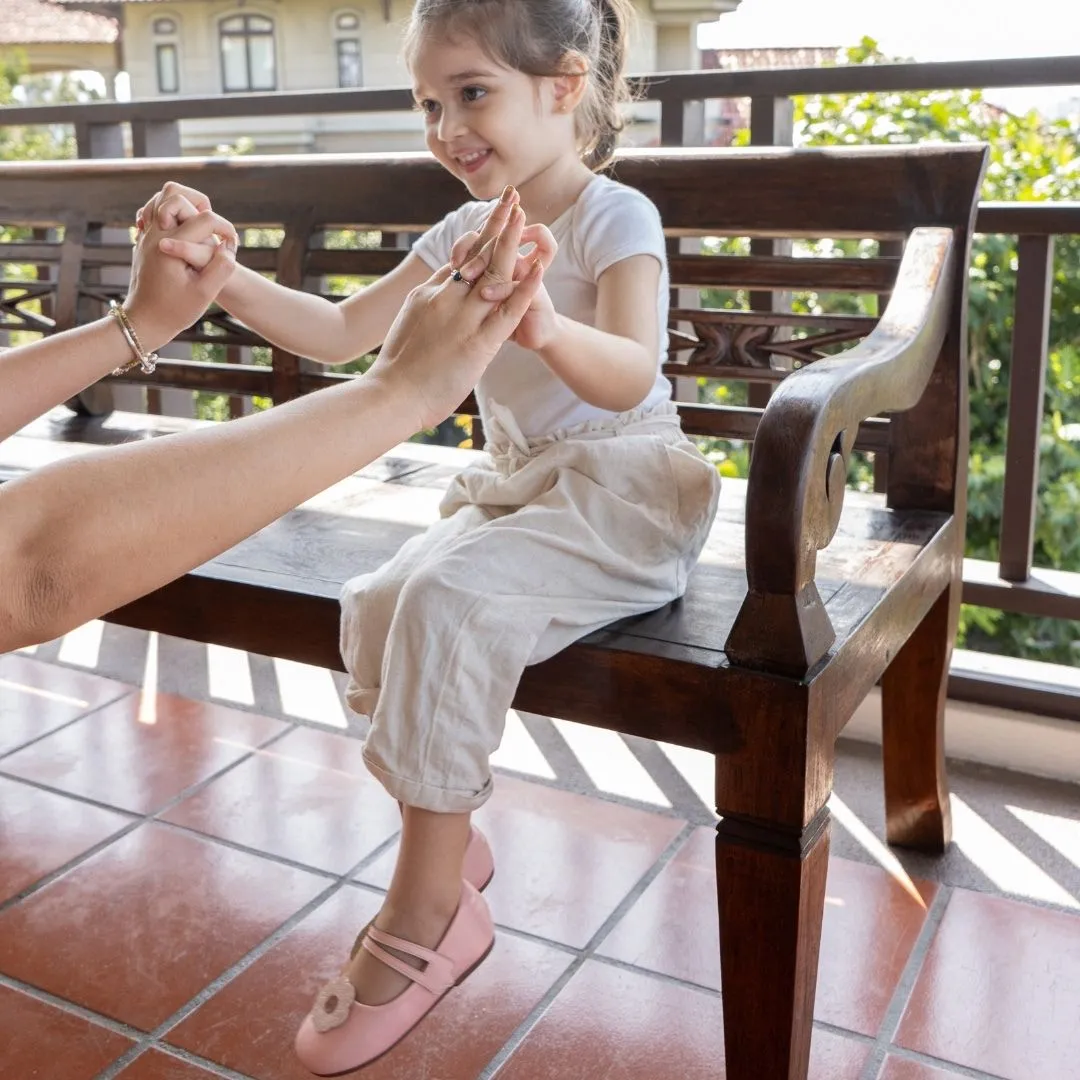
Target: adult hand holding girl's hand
{"points": [[471, 253], [166, 294], [447, 333]]}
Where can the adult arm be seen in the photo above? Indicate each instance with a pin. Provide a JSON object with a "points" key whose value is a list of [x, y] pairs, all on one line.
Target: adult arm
{"points": [[165, 297], [162, 507]]}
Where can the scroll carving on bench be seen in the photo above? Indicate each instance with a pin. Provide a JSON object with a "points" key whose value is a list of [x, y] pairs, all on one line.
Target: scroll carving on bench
{"points": [[748, 344], [803, 443]]}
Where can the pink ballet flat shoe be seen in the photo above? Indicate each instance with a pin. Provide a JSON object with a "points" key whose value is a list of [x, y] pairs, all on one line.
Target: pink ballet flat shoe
{"points": [[478, 867], [340, 1034]]}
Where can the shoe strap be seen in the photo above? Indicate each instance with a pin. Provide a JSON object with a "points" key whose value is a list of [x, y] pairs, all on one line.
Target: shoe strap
{"points": [[437, 976]]}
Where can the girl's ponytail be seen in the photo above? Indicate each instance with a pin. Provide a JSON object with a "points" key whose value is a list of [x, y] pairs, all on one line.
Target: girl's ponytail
{"points": [[601, 113]]}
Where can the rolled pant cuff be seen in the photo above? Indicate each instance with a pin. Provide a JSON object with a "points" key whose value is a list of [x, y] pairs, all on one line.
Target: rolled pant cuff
{"points": [[439, 800]]}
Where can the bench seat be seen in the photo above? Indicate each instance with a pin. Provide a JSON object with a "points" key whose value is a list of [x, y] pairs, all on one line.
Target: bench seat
{"points": [[276, 593]]}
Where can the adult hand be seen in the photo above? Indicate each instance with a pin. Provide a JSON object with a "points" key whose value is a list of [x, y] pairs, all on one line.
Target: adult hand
{"points": [[538, 326], [172, 206], [471, 253], [446, 333], [166, 295]]}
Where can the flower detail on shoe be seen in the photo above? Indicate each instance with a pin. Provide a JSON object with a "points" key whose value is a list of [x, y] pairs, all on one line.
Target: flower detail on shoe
{"points": [[332, 1005], [341, 1034]]}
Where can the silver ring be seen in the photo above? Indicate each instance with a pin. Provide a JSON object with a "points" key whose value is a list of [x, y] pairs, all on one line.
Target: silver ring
{"points": [[458, 276]]}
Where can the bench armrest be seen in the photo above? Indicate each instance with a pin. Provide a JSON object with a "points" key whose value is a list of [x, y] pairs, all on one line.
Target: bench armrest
{"points": [[799, 465]]}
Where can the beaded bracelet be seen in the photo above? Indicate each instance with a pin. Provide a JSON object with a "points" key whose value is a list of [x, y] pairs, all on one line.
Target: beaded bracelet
{"points": [[143, 359]]}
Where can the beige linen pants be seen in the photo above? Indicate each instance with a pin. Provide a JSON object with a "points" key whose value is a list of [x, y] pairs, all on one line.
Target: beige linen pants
{"points": [[553, 539]]}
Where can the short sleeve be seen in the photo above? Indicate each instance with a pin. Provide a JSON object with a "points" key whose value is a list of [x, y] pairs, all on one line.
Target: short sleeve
{"points": [[435, 245], [619, 223]]}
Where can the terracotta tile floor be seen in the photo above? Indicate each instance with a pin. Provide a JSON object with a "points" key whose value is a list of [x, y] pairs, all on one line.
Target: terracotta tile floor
{"points": [[176, 878]]}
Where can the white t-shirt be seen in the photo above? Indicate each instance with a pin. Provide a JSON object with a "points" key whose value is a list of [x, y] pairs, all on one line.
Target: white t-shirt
{"points": [[608, 223]]}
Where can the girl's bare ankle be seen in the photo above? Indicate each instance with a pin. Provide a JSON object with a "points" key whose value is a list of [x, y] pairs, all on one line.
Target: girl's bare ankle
{"points": [[426, 908]]}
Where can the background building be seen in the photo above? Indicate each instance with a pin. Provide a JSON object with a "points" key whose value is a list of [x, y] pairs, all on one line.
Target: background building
{"points": [[208, 47]]}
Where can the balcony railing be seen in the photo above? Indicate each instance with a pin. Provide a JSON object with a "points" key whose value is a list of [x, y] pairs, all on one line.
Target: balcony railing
{"points": [[152, 129]]}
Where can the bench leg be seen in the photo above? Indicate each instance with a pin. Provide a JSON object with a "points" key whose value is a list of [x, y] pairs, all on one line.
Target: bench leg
{"points": [[913, 739], [771, 889]]}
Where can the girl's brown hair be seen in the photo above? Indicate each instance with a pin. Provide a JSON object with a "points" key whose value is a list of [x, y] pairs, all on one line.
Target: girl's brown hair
{"points": [[539, 38]]}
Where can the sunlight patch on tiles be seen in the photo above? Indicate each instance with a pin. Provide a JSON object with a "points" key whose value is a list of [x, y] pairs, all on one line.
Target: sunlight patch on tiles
{"points": [[82, 646], [1062, 834], [1001, 861], [309, 693], [697, 768], [610, 763], [148, 696], [518, 751], [48, 695], [862, 834], [229, 675]]}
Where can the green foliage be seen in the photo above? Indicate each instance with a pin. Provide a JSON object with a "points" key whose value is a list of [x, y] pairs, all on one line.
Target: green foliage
{"points": [[17, 87], [1031, 159]]}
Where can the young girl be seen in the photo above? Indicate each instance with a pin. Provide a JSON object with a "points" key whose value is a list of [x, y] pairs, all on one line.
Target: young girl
{"points": [[592, 505]]}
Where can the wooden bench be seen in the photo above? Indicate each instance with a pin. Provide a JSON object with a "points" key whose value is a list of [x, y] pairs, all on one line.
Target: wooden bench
{"points": [[803, 600]]}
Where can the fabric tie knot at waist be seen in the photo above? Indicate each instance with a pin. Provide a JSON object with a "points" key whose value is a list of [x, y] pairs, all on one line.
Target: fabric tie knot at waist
{"points": [[506, 442], [510, 448]]}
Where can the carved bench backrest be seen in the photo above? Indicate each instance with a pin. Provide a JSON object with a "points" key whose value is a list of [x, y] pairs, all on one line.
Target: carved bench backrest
{"points": [[875, 195]]}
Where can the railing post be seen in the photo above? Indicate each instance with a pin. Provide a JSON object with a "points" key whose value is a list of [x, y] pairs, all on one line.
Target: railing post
{"points": [[104, 141], [148, 139], [99, 140], [161, 138], [682, 123], [1027, 378], [155, 138], [772, 123], [291, 261]]}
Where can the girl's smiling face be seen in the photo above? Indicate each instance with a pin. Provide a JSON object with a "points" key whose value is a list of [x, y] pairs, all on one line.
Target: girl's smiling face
{"points": [[486, 123]]}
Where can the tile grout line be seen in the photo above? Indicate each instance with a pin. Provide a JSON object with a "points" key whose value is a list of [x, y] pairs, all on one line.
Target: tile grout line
{"points": [[660, 976], [137, 820], [41, 883], [953, 1067], [522, 1031], [117, 1027], [211, 1067], [244, 849], [673, 812], [901, 994], [87, 800], [206, 781], [66, 724], [843, 1032], [153, 1038]]}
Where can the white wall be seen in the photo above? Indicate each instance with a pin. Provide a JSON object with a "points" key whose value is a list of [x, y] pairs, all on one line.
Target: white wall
{"points": [[306, 60]]}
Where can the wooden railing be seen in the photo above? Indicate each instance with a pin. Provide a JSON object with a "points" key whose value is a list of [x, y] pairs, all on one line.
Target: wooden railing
{"points": [[155, 123], [1011, 584]]}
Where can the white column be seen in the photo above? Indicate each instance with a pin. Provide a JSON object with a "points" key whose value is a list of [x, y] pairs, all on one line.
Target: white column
{"points": [[676, 46]]}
